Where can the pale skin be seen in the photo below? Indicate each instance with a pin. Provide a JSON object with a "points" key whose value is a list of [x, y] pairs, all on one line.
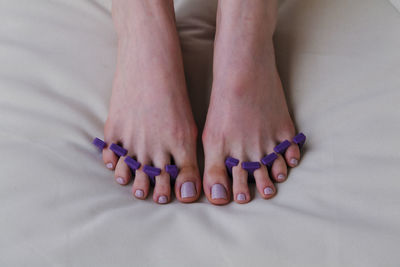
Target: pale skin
{"points": [[150, 113]]}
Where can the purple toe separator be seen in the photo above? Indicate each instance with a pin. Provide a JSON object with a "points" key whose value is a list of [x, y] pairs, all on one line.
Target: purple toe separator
{"points": [[300, 139], [281, 148], [269, 159], [173, 171], [251, 166], [100, 144], [151, 172], [120, 151], [133, 164], [230, 163]]}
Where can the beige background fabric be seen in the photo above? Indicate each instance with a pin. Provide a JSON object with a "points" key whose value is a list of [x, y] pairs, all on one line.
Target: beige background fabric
{"points": [[59, 206]]}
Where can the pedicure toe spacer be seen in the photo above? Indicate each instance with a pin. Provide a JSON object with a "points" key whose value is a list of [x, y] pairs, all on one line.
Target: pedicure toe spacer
{"points": [[152, 172], [230, 163], [118, 150], [133, 164], [100, 144], [250, 167], [269, 159], [173, 171], [281, 148], [299, 139]]}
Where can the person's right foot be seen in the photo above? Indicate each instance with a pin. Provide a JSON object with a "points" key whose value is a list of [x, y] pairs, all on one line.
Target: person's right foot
{"points": [[149, 112]]}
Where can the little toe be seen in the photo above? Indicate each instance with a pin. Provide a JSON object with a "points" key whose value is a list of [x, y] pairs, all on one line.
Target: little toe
{"points": [[279, 169], [292, 155], [122, 173], [162, 188], [188, 184], [141, 184], [216, 184], [264, 184], [109, 158], [240, 188]]}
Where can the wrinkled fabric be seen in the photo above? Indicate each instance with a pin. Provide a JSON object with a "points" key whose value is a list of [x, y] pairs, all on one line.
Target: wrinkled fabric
{"points": [[59, 206]]}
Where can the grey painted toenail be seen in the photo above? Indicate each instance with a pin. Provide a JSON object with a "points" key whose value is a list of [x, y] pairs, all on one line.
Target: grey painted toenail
{"points": [[268, 191], [281, 176], [294, 161], [162, 199], [241, 197], [188, 190], [120, 180], [109, 165], [139, 193], [218, 192]]}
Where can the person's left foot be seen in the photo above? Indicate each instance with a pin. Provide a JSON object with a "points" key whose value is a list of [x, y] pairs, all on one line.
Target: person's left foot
{"points": [[248, 114]]}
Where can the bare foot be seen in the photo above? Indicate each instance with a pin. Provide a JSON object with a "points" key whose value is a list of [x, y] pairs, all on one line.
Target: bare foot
{"points": [[248, 114], [149, 112]]}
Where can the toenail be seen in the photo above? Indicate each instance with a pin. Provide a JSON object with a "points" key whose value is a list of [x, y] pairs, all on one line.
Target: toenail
{"points": [[188, 190], [241, 197], [268, 191], [109, 165], [294, 161], [120, 180], [218, 191], [162, 199], [139, 193], [281, 177]]}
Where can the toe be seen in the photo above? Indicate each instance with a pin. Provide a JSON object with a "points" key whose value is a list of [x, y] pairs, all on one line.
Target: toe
{"points": [[188, 184], [122, 172], [141, 184], [264, 184], [292, 155], [240, 188], [162, 188], [216, 184], [279, 169], [109, 158]]}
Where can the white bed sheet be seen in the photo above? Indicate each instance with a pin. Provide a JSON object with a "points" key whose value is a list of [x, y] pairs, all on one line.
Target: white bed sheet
{"points": [[59, 206]]}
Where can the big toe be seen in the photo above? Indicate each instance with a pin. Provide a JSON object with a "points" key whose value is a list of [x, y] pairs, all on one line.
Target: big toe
{"points": [[188, 184], [216, 184]]}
